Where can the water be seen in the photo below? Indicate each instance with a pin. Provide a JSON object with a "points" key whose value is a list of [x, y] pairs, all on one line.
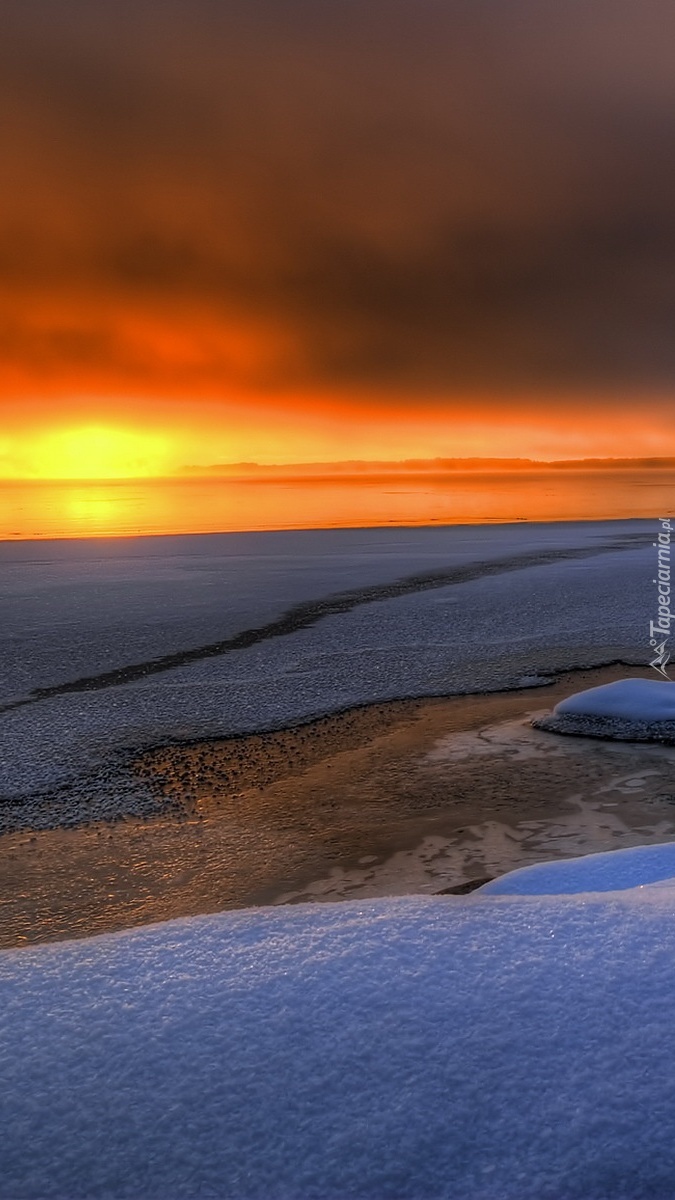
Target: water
{"points": [[165, 506]]}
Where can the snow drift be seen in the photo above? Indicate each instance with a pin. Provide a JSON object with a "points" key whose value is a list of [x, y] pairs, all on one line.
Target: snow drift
{"points": [[629, 710], [484, 1048], [611, 871]]}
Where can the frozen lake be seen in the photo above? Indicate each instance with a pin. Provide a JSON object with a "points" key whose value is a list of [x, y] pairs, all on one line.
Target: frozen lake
{"points": [[116, 643]]}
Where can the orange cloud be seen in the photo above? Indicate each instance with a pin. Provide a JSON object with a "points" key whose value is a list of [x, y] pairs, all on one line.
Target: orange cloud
{"points": [[365, 230]]}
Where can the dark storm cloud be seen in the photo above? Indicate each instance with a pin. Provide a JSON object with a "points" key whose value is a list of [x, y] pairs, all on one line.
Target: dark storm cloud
{"points": [[419, 195]]}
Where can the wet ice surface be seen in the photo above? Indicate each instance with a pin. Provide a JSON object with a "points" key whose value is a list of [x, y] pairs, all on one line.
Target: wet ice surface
{"points": [[74, 609], [619, 796]]}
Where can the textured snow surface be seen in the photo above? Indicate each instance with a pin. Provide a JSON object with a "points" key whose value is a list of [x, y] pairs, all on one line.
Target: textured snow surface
{"points": [[608, 872], [634, 699], [70, 610], [475, 1049]]}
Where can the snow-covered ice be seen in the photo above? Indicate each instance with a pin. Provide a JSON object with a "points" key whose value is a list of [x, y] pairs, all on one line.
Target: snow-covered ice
{"points": [[615, 870], [487, 1048], [631, 709], [512, 603]]}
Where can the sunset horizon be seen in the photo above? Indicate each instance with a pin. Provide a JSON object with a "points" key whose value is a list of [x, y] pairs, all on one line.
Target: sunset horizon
{"points": [[337, 537], [81, 469], [95, 447], [237, 232]]}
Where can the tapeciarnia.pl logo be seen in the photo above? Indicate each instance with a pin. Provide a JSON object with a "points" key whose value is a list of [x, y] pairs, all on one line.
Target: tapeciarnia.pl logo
{"points": [[659, 630]]}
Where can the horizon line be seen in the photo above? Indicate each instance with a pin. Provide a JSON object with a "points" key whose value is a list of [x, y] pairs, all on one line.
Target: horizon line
{"points": [[357, 467]]}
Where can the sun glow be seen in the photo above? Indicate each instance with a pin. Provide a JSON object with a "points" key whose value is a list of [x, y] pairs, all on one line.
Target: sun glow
{"points": [[99, 452]]}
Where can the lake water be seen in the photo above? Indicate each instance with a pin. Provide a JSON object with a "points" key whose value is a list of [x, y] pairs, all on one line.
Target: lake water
{"points": [[166, 506]]}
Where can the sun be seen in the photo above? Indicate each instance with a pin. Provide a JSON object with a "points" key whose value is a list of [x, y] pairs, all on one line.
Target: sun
{"points": [[99, 452]]}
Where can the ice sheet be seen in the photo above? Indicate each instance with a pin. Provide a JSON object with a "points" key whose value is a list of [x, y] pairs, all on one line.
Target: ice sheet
{"points": [[76, 609]]}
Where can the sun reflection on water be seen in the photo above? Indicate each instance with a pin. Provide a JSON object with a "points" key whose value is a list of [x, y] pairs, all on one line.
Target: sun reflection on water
{"points": [[129, 507]]}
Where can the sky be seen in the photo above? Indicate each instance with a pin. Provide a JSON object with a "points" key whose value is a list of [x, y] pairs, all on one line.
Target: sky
{"points": [[287, 231]]}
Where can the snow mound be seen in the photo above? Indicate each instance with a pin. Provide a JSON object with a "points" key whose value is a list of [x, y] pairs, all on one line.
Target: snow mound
{"points": [[635, 699], [446, 1049], [615, 870], [630, 710]]}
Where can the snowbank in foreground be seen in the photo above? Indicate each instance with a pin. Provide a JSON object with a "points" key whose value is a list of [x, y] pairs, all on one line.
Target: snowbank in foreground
{"points": [[474, 1049], [630, 709], [613, 871]]}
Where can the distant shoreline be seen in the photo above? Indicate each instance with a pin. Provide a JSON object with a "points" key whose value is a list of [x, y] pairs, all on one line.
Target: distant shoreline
{"points": [[410, 468]]}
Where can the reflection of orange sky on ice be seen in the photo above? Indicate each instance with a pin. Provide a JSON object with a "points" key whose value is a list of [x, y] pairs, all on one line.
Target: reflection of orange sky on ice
{"points": [[141, 437], [126, 507]]}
